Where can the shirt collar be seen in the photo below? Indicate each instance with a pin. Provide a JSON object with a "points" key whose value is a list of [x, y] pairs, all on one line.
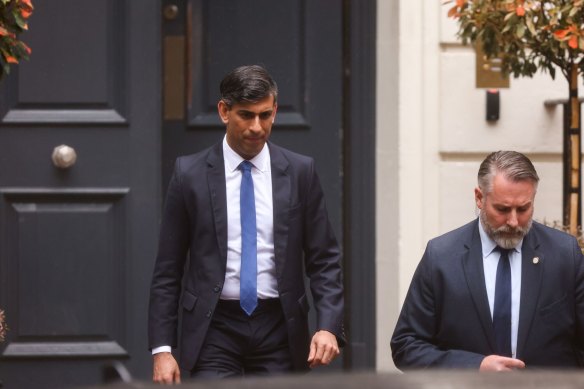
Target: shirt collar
{"points": [[233, 160], [488, 244]]}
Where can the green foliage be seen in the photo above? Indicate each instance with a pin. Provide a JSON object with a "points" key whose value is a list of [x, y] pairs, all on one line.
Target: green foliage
{"points": [[526, 34], [13, 21]]}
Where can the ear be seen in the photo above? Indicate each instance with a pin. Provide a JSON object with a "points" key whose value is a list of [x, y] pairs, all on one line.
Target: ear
{"points": [[478, 197], [274, 113], [223, 109]]}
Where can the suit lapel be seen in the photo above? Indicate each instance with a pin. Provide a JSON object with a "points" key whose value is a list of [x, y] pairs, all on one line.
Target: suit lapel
{"points": [[531, 278], [472, 263], [281, 187], [217, 192]]}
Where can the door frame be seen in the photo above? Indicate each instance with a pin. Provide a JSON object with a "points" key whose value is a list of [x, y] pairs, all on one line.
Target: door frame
{"points": [[359, 88]]}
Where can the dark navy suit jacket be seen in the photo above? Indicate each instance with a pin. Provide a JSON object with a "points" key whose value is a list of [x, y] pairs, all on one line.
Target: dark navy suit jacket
{"points": [[445, 321], [194, 226]]}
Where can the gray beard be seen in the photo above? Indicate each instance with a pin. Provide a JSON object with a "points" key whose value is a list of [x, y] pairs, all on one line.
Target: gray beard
{"points": [[505, 236]]}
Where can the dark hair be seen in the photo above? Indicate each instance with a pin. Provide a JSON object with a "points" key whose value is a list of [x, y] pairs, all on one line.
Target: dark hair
{"points": [[250, 84], [515, 166]]}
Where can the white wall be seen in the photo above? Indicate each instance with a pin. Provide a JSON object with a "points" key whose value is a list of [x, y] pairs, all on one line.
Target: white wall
{"points": [[432, 145], [387, 183]]}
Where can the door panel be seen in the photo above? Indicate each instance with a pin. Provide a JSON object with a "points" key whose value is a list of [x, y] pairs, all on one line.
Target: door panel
{"points": [[77, 245], [77, 72], [69, 265]]}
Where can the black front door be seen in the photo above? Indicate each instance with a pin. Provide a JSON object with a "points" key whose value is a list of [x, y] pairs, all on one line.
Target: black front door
{"points": [[77, 244]]}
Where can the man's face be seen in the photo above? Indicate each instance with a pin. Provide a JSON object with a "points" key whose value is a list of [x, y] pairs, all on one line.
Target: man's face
{"points": [[248, 125], [506, 211]]}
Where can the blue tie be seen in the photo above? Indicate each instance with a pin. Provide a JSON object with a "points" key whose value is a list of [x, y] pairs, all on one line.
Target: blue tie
{"points": [[248, 295], [502, 308]]}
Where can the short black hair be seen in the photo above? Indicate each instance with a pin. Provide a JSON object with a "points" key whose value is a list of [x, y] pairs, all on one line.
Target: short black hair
{"points": [[249, 83]]}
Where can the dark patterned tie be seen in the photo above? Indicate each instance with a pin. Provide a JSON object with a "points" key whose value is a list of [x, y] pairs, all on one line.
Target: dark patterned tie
{"points": [[502, 309], [248, 295]]}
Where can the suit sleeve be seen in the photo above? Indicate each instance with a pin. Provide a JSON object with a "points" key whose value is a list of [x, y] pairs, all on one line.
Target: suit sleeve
{"points": [[413, 342], [168, 270], [323, 261], [579, 298]]}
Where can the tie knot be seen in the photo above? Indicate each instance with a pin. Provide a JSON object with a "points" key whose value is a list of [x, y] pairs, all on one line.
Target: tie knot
{"points": [[504, 252], [245, 166]]}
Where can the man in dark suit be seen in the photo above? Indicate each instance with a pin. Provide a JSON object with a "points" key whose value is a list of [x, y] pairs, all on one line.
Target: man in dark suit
{"points": [[245, 210], [500, 293]]}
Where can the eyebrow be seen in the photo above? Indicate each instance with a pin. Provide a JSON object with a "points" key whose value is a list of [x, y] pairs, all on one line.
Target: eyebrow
{"points": [[501, 205], [252, 112]]}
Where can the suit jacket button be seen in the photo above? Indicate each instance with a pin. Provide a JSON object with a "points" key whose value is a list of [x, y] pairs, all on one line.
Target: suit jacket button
{"points": [[217, 288], [208, 314]]}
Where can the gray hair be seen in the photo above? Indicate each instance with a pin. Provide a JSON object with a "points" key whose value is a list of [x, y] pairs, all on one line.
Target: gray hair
{"points": [[513, 165]]}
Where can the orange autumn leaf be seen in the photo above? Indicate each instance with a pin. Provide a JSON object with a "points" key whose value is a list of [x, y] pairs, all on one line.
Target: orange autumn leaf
{"points": [[10, 59], [453, 12], [3, 31], [25, 13], [520, 11], [573, 42], [460, 3], [561, 34]]}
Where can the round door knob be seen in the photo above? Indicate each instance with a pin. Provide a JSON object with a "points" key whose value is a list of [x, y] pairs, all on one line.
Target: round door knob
{"points": [[170, 12], [64, 156]]}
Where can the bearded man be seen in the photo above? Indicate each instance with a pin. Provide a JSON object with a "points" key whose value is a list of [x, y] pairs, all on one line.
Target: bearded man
{"points": [[499, 293]]}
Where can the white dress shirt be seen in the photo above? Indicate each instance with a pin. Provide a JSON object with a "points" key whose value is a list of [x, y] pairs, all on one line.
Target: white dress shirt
{"points": [[490, 262], [262, 183]]}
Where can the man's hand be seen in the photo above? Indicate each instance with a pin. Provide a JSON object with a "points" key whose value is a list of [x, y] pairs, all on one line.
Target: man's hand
{"points": [[165, 369], [499, 363], [323, 348]]}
